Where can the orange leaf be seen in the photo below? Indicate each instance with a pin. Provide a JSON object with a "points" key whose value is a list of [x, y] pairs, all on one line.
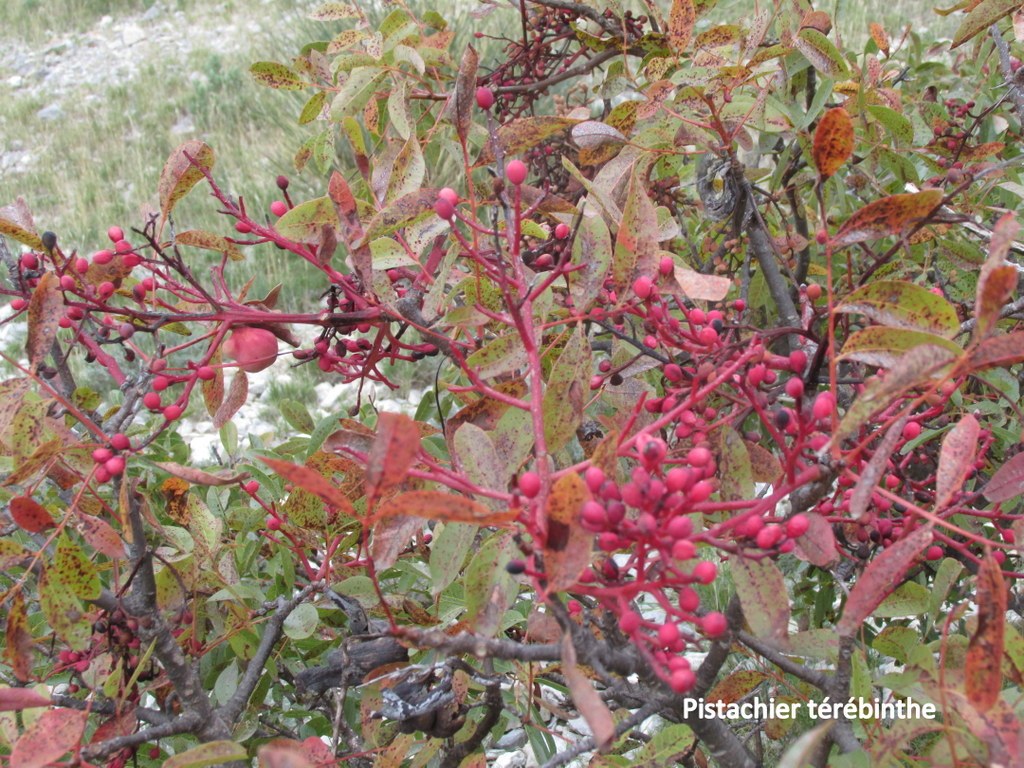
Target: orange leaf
{"points": [[182, 172], [998, 280], [393, 451], [880, 36], [45, 310], [680, 25], [956, 459], [833, 141], [982, 669], [312, 481], [568, 548], [888, 216], [18, 649], [437, 505], [881, 577], [30, 514]]}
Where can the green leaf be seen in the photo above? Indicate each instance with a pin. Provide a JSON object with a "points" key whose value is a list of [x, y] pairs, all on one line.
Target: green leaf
{"points": [[398, 111], [897, 125], [904, 305], [408, 171], [211, 753], [504, 355], [356, 91], [274, 75], [945, 577], [635, 246], [592, 253], [762, 592], [302, 622], [297, 416], [981, 17], [909, 599], [313, 108], [822, 53], [74, 570], [489, 587], [64, 612], [304, 222], [566, 392], [883, 345], [448, 551]]}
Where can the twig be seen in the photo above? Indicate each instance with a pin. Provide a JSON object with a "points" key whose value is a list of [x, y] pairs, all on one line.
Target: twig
{"points": [[587, 744]]}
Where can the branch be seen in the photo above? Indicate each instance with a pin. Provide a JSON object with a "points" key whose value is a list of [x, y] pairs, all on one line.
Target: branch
{"points": [[185, 723], [812, 676], [1013, 85], [1010, 309], [271, 634], [587, 744], [146, 715]]}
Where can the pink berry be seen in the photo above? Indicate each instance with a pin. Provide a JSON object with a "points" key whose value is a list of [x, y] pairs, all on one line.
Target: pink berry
{"points": [[151, 400], [278, 208], [29, 261], [824, 405], [934, 552], [594, 516], [700, 491], [515, 172], [102, 455], [911, 430], [769, 536], [680, 527], [529, 484], [172, 412], [682, 680], [795, 387], [629, 622], [120, 442], [689, 600], [561, 231], [115, 465], [699, 456], [160, 383], [484, 97], [708, 336], [666, 266], [243, 227], [444, 209], [822, 236], [274, 523], [115, 234], [449, 194], [67, 283], [595, 478], [206, 373], [18, 304], [122, 246], [668, 634], [251, 487], [797, 526], [81, 266], [714, 624], [643, 287], [103, 257], [105, 289], [705, 572]]}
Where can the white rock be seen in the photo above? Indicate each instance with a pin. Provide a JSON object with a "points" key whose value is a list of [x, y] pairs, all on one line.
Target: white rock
{"points": [[515, 759], [132, 34]]}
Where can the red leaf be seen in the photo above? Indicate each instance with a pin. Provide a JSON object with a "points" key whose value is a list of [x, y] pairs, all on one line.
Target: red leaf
{"points": [[881, 577], [18, 649], [818, 544], [54, 734], [235, 399], [998, 280], [1007, 482], [998, 351], [588, 701], [437, 505], [568, 548], [312, 481], [198, 476], [833, 141], [393, 451], [30, 514], [874, 470], [283, 753], [45, 309], [15, 699], [983, 667], [956, 459], [116, 726], [888, 216]]}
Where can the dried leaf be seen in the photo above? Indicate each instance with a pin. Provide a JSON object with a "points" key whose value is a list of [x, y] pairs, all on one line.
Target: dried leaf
{"points": [[701, 287], [568, 547], [981, 17], [983, 678], [587, 700], [956, 459], [16, 222], [283, 753], [438, 505], [880, 578], [875, 469], [236, 397], [998, 280], [517, 136], [889, 216], [833, 141], [680, 25], [199, 476], [310, 480], [736, 686], [181, 172], [883, 346], [880, 36], [998, 351], [45, 309], [19, 645], [464, 102], [199, 238]]}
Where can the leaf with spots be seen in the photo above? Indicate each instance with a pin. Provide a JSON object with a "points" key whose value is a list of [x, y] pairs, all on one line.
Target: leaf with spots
{"points": [[998, 279], [199, 238], [833, 141], [55, 733], [762, 592], [74, 570], [635, 244], [956, 459], [464, 101], [305, 221], [408, 171], [182, 171], [335, 12], [64, 611], [564, 394], [880, 578], [889, 216], [402, 212], [16, 223], [903, 304], [680, 25], [19, 644], [821, 53], [997, 351], [438, 505], [237, 394], [208, 754], [45, 309], [521, 134], [30, 515], [818, 544], [736, 686], [982, 16], [883, 346], [100, 536], [275, 75], [394, 449], [983, 678], [569, 546], [1007, 482], [880, 36], [312, 481]]}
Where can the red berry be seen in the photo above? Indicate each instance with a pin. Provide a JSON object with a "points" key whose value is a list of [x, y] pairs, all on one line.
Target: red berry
{"points": [[81, 266], [515, 172], [666, 266], [824, 405], [700, 491], [679, 527], [595, 478], [449, 194], [484, 97], [282, 182], [18, 304], [529, 484], [274, 523], [278, 208], [172, 412], [668, 634], [594, 516], [102, 455], [206, 373], [689, 600], [115, 234], [251, 487], [739, 305], [254, 349], [561, 231], [243, 227], [934, 552], [105, 289], [911, 430], [708, 335], [699, 456], [115, 465], [822, 236], [629, 622], [103, 257], [813, 291], [797, 526], [769, 536], [682, 680], [120, 442], [795, 387], [122, 246], [151, 400], [705, 572], [29, 261], [797, 361], [154, 753], [643, 287], [444, 209], [714, 624]]}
